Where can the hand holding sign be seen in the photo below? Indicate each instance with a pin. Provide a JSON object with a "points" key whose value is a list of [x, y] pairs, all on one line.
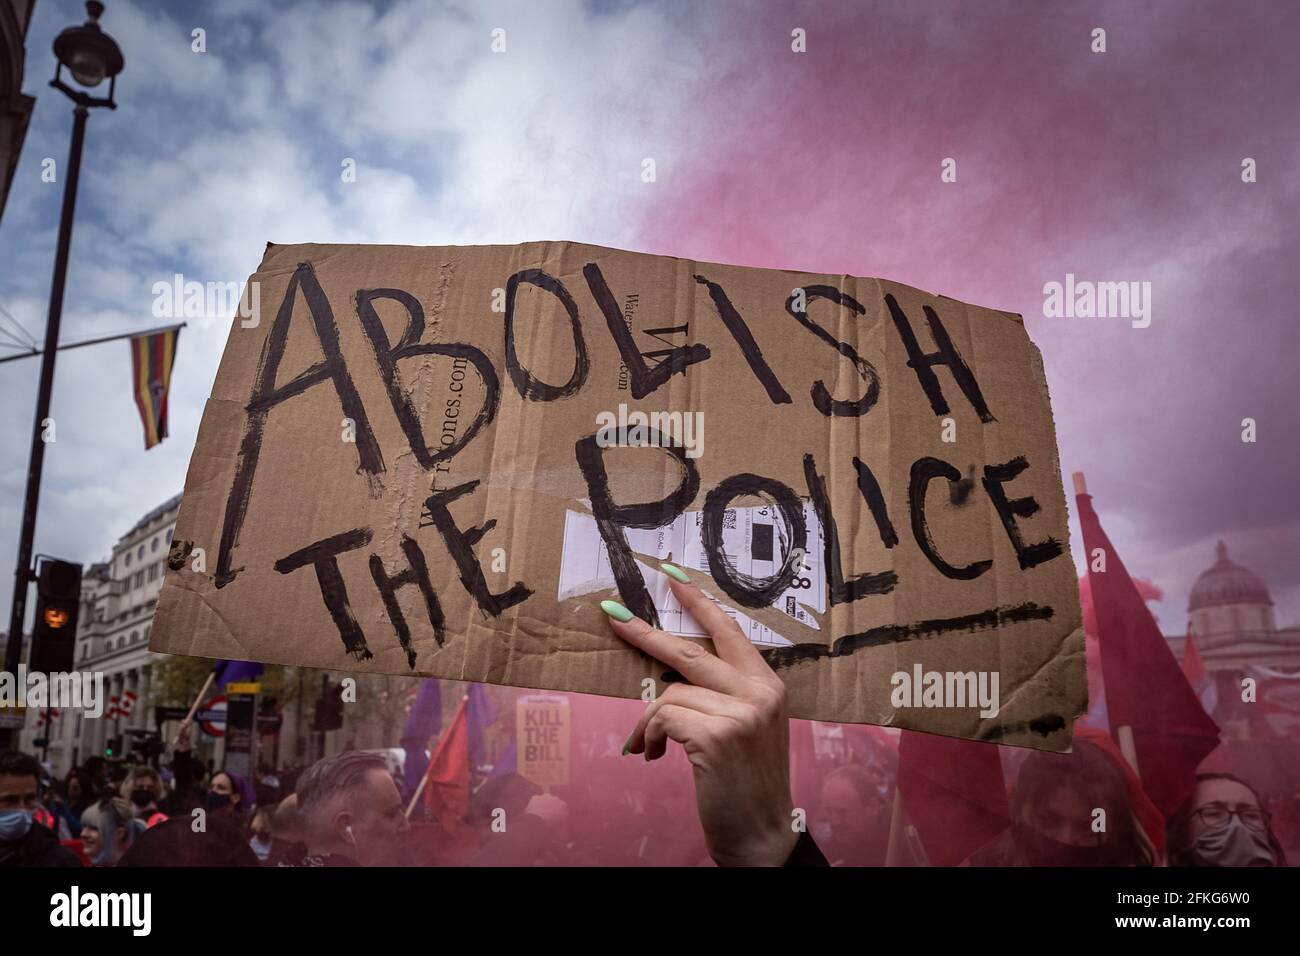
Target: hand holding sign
{"points": [[391, 478], [731, 720]]}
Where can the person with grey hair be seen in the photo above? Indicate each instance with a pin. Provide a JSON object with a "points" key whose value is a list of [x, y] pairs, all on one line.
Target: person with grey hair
{"points": [[350, 812], [108, 828]]}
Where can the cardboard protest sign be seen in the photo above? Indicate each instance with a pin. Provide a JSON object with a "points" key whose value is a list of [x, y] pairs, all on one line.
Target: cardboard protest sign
{"points": [[542, 739], [438, 460]]}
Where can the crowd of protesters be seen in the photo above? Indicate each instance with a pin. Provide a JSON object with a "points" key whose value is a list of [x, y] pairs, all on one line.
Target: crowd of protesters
{"points": [[346, 810], [727, 795]]}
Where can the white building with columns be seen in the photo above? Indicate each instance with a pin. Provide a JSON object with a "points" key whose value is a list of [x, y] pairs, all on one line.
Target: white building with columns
{"points": [[118, 597], [1230, 617]]}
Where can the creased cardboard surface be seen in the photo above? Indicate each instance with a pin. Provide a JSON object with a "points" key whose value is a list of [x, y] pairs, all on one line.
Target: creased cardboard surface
{"points": [[307, 497]]}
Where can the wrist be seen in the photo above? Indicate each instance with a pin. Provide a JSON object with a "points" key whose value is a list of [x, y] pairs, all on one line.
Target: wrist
{"points": [[767, 845]]}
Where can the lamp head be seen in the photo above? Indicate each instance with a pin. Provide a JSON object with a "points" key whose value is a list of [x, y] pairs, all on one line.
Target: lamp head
{"points": [[90, 55]]}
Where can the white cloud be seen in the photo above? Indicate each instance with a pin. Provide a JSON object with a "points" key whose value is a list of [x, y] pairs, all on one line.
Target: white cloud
{"points": [[212, 155]]}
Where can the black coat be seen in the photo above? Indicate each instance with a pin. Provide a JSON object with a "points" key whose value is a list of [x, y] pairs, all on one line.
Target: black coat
{"points": [[40, 847]]}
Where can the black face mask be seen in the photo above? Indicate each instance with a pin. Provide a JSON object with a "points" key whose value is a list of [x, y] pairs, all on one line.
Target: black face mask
{"points": [[218, 801], [141, 797], [1040, 850], [1233, 844]]}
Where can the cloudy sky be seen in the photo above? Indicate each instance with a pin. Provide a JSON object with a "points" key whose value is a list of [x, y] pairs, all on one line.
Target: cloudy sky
{"points": [[1117, 166]]}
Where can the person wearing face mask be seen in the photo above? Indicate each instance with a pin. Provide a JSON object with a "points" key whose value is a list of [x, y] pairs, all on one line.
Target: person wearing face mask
{"points": [[1223, 824], [228, 794], [1054, 810], [143, 788], [23, 842], [260, 842], [173, 842]]}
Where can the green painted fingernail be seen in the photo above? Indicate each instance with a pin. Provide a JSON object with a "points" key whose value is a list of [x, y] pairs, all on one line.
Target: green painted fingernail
{"points": [[674, 572], [627, 747], [617, 611]]}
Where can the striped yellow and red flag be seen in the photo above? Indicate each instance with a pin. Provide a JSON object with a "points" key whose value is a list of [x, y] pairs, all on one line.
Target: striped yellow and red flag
{"points": [[152, 356]]}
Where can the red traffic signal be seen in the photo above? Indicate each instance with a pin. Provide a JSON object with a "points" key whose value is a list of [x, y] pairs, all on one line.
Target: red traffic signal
{"points": [[55, 617], [54, 632]]}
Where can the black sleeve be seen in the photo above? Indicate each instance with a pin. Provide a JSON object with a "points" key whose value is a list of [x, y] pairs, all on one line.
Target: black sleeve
{"points": [[183, 774], [59, 855], [806, 852]]}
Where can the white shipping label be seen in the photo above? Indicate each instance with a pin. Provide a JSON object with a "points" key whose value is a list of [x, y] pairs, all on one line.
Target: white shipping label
{"points": [[752, 540]]}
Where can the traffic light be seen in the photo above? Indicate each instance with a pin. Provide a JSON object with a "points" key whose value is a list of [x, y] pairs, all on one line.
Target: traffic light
{"points": [[329, 708], [143, 745], [269, 718], [54, 633]]}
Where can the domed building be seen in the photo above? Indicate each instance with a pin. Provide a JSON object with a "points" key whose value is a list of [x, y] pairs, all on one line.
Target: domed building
{"points": [[1230, 618], [1229, 599]]}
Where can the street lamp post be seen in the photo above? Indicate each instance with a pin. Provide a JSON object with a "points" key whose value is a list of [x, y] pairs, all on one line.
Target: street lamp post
{"points": [[90, 56]]}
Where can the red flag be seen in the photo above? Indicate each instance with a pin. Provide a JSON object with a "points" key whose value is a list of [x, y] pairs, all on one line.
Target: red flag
{"points": [[1198, 677], [805, 781], [953, 792], [1145, 686], [446, 792]]}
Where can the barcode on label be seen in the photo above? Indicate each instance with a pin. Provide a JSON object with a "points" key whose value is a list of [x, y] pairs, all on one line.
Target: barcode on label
{"points": [[760, 542]]}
